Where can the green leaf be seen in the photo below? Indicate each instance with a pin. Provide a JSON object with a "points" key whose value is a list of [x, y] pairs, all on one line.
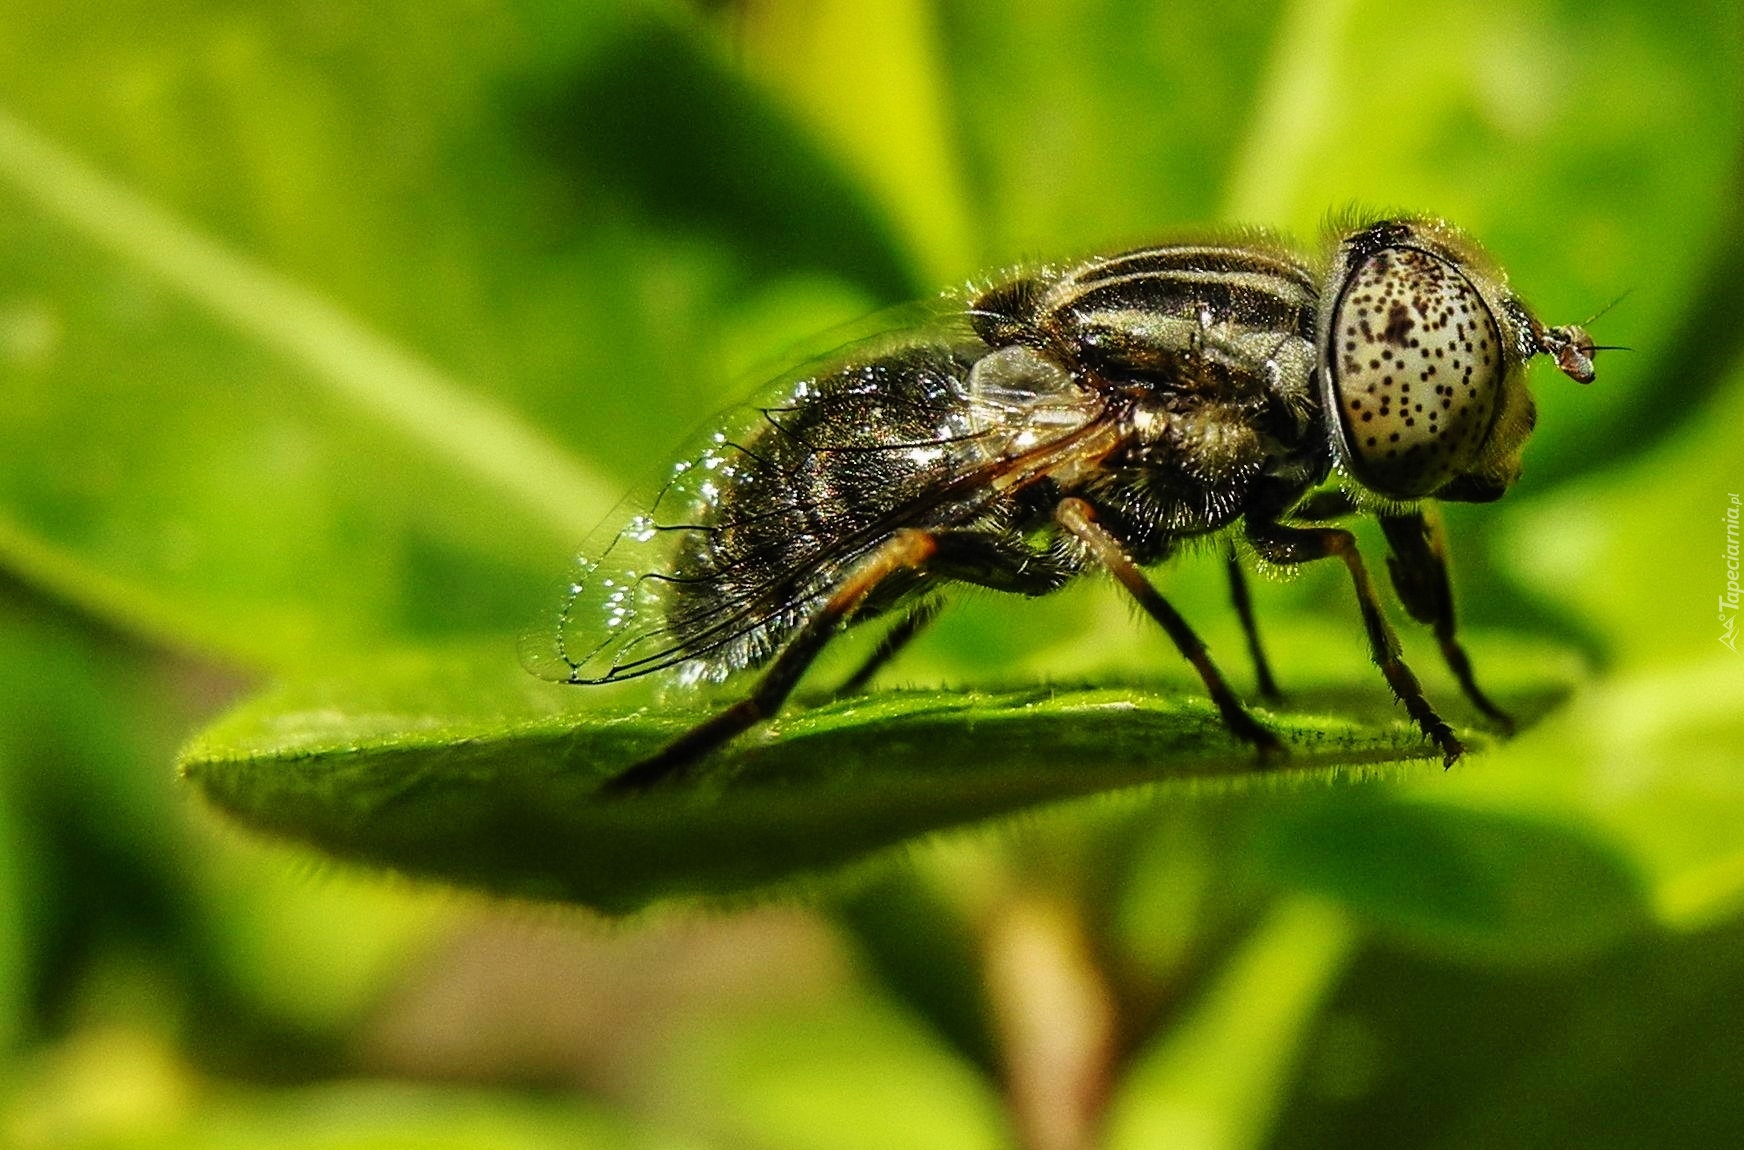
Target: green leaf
{"points": [[126, 1091], [1654, 764], [87, 839], [1637, 1046], [1652, 757], [294, 314], [917, 943], [730, 161], [871, 81], [469, 770], [853, 1074], [1516, 886], [18, 872], [1216, 1079], [1124, 124], [106, 503], [102, 856]]}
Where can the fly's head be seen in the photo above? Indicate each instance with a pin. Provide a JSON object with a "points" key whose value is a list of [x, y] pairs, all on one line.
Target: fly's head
{"points": [[1422, 350], [1572, 348]]}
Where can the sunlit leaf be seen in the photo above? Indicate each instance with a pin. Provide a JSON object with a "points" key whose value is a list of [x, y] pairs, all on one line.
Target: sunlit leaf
{"points": [[295, 362]]}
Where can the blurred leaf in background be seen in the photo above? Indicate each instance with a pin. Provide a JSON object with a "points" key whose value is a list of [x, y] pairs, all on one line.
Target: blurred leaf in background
{"points": [[327, 331]]}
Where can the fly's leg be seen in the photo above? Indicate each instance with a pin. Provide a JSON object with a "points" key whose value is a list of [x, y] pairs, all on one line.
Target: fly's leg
{"points": [[1419, 568], [1316, 508], [1079, 518], [895, 639], [1324, 506], [1268, 686], [1000, 560], [1288, 545], [904, 551]]}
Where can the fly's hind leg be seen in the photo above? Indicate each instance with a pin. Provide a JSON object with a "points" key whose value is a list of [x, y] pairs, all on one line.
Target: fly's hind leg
{"points": [[1079, 518], [904, 551], [1000, 560], [891, 645], [1285, 544], [1419, 568]]}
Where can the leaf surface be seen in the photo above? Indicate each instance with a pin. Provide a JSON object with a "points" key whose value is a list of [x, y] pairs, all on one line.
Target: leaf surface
{"points": [[468, 770]]}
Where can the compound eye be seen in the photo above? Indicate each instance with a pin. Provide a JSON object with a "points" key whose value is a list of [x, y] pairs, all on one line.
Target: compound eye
{"points": [[1416, 370]]}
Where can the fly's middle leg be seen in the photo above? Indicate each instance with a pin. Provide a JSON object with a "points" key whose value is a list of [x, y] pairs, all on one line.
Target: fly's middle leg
{"points": [[1238, 594], [1316, 508], [1079, 518]]}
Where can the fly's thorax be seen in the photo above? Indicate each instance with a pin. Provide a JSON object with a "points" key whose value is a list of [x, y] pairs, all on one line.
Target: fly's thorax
{"points": [[1422, 351], [1148, 302], [1278, 366], [1004, 314]]}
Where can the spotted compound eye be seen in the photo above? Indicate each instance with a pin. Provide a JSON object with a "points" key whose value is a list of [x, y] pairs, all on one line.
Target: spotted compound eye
{"points": [[1416, 365]]}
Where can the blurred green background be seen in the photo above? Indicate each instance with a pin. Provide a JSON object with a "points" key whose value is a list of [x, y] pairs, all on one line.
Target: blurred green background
{"points": [[329, 329]]}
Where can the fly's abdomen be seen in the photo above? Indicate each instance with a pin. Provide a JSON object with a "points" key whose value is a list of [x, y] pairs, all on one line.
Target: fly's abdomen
{"points": [[807, 489], [761, 521]]}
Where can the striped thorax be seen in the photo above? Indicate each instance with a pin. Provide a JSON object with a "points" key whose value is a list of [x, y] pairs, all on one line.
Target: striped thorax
{"points": [[1405, 351]]}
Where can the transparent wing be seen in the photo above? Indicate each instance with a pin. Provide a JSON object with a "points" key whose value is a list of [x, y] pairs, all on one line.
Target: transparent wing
{"points": [[767, 512]]}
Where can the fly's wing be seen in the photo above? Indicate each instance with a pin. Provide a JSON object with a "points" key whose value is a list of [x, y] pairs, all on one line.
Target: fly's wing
{"points": [[758, 522], [630, 607]]}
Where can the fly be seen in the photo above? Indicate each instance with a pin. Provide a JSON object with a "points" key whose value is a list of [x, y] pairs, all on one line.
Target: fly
{"points": [[1089, 415]]}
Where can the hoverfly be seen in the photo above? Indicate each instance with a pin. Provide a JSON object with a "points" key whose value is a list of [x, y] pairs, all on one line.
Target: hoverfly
{"points": [[1077, 416]]}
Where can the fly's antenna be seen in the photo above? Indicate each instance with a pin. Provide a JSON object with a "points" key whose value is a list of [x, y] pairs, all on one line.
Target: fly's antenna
{"points": [[1588, 322]]}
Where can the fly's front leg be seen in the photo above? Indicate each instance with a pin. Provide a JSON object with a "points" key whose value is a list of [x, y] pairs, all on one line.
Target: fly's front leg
{"points": [[1419, 568], [904, 551], [1079, 518], [1287, 545]]}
